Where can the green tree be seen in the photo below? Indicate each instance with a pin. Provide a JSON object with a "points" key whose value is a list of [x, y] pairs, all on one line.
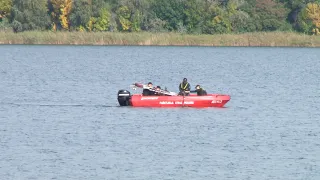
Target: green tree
{"points": [[136, 21], [170, 11], [270, 15], [5, 8], [217, 20], [129, 14], [97, 6], [5, 25], [239, 18], [194, 16], [124, 16], [112, 3], [102, 23], [80, 14], [29, 15], [142, 16]]}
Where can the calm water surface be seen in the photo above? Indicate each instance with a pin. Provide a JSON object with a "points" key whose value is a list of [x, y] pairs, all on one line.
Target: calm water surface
{"points": [[59, 116]]}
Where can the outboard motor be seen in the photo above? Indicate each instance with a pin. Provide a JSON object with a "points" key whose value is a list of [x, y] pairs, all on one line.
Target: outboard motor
{"points": [[124, 97]]}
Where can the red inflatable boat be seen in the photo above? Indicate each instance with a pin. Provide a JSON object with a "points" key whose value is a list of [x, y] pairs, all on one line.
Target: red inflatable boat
{"points": [[171, 99], [211, 100]]}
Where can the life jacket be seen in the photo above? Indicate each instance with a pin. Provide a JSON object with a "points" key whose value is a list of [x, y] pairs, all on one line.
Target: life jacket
{"points": [[185, 86]]}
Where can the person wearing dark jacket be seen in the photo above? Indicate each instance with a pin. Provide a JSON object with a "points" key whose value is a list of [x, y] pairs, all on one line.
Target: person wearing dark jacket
{"points": [[184, 87], [147, 91], [200, 91]]}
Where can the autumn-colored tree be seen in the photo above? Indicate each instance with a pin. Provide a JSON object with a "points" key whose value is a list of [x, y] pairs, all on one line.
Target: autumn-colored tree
{"points": [[124, 16], [5, 8], [313, 14], [191, 16], [60, 12], [308, 19]]}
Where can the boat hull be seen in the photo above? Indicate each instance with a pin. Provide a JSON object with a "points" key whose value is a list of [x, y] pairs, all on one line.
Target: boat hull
{"points": [[210, 100]]}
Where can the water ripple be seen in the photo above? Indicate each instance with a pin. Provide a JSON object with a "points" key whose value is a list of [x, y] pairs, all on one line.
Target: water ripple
{"points": [[59, 117]]}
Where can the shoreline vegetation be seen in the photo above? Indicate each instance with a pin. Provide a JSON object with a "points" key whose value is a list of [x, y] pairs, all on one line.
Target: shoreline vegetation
{"points": [[257, 39], [272, 23]]}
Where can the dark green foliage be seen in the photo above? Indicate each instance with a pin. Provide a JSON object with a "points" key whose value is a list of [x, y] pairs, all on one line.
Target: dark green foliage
{"points": [[29, 15], [185, 16], [170, 11], [4, 24], [194, 16], [295, 7], [269, 15], [97, 6], [80, 14]]}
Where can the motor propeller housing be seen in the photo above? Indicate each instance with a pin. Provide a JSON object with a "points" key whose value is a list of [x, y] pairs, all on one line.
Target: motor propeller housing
{"points": [[124, 97]]}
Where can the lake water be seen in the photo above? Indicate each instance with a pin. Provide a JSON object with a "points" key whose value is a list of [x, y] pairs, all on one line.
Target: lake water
{"points": [[60, 119]]}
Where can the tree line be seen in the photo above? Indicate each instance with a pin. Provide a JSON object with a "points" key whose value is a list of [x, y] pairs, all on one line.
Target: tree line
{"points": [[184, 16]]}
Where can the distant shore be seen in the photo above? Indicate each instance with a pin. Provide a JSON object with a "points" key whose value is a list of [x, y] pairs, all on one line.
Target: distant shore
{"points": [[271, 39]]}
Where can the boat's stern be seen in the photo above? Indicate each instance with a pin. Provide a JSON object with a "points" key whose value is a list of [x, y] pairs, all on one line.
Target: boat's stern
{"points": [[124, 98]]}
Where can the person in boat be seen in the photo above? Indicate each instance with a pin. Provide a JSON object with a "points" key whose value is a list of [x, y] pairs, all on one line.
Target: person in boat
{"points": [[158, 91], [148, 90], [184, 87], [199, 90]]}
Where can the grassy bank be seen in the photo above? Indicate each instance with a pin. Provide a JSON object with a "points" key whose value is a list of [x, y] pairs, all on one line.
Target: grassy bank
{"points": [[163, 39]]}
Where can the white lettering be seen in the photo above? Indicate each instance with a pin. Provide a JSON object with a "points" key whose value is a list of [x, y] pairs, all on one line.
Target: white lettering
{"points": [[185, 102], [149, 98], [188, 102], [176, 102], [166, 102], [216, 101]]}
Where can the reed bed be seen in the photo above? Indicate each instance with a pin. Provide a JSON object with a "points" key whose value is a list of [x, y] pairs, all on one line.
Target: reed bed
{"points": [[272, 39]]}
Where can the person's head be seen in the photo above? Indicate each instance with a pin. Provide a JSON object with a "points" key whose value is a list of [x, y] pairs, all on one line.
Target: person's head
{"points": [[198, 87], [150, 84], [184, 80], [158, 88]]}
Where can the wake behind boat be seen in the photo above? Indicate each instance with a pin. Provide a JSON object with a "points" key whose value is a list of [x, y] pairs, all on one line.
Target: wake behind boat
{"points": [[170, 99]]}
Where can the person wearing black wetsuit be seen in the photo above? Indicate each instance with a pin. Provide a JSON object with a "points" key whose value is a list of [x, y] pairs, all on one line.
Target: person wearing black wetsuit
{"points": [[200, 91], [184, 87]]}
